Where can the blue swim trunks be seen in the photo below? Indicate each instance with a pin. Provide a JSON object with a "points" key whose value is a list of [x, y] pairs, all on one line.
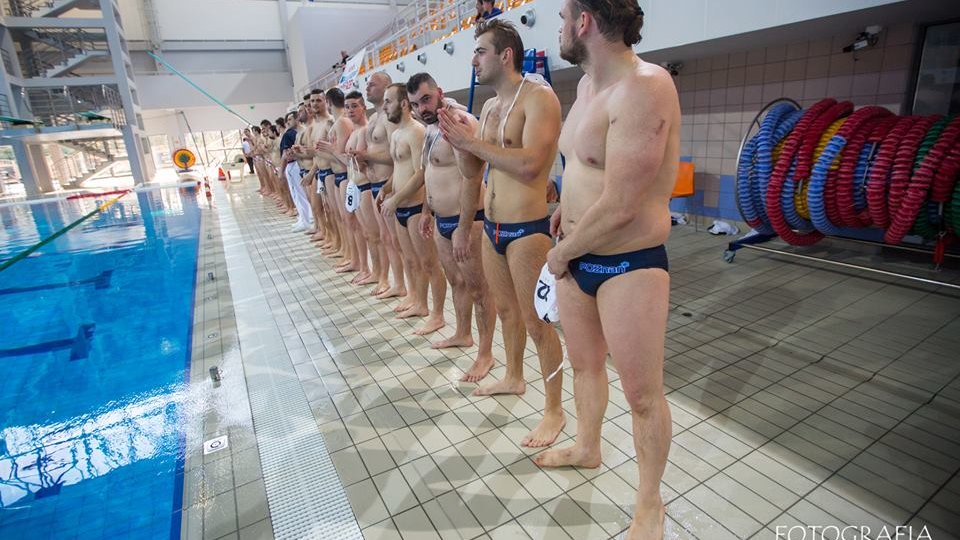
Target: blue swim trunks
{"points": [[592, 271], [446, 225], [404, 214], [501, 234]]}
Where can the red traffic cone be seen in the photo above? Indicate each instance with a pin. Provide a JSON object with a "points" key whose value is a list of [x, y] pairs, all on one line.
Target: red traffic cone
{"points": [[222, 176]]}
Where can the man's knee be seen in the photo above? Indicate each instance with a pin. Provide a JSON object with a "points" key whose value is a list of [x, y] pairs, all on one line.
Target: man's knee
{"points": [[537, 329], [643, 400]]}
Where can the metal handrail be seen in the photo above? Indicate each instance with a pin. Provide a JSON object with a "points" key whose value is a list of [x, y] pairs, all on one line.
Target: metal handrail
{"points": [[418, 24], [62, 106]]}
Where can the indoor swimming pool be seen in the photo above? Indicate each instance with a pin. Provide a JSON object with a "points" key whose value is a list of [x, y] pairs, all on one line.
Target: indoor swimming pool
{"points": [[95, 351]]}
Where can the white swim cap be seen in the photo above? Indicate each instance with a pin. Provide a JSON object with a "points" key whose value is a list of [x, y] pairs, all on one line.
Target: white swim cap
{"points": [[545, 296]]}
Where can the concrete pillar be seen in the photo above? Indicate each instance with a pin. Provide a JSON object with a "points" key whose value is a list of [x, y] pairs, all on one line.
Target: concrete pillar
{"points": [[33, 168], [131, 139]]}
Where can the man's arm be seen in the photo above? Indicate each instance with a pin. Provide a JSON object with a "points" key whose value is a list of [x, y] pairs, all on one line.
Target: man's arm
{"points": [[539, 140], [637, 136]]}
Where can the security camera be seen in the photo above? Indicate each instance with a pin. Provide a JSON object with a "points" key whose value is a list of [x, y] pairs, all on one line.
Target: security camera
{"points": [[422, 58], [448, 47], [400, 67], [868, 38], [673, 67], [528, 18]]}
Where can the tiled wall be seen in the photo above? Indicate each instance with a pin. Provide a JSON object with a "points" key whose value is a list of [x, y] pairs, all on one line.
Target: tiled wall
{"points": [[719, 97]]}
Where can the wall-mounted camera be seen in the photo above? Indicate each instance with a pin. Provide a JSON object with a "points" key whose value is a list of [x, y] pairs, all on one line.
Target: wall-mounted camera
{"points": [[528, 18], [868, 38], [422, 58], [448, 47], [400, 67], [672, 67]]}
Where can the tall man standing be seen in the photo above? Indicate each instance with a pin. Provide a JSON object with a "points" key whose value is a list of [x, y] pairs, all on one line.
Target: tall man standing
{"points": [[380, 170], [444, 172], [517, 138], [406, 204], [621, 140]]}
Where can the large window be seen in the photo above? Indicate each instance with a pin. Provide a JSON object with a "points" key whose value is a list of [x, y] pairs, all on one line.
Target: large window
{"points": [[938, 75]]}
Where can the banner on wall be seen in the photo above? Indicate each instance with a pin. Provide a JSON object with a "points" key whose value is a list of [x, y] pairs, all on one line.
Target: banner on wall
{"points": [[348, 79]]}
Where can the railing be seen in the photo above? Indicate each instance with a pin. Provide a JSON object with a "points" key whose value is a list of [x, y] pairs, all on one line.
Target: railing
{"points": [[5, 106], [62, 45], [7, 61], [63, 106], [420, 23], [26, 8]]}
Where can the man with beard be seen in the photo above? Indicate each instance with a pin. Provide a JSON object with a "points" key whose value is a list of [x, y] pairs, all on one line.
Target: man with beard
{"points": [[621, 140], [376, 157], [406, 203], [517, 138], [443, 176]]}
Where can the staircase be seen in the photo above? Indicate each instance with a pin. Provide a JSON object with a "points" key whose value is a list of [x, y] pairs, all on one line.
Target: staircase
{"points": [[45, 8], [55, 52], [91, 158], [72, 105]]}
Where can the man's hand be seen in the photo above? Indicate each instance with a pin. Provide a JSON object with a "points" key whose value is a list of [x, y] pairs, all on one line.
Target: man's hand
{"points": [[388, 207], [325, 146], [426, 226], [557, 263], [556, 227], [461, 245], [455, 128]]}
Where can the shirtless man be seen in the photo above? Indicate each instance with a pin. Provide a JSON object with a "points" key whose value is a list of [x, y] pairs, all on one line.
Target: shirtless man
{"points": [[621, 140], [443, 177], [332, 145], [518, 139], [367, 229], [406, 205], [379, 165], [361, 225], [321, 124], [297, 169]]}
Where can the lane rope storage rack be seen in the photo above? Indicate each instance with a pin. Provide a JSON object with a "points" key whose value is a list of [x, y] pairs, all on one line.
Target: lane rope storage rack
{"points": [[859, 175]]}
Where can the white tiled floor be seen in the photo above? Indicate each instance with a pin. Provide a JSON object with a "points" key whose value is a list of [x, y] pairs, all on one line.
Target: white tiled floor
{"points": [[800, 396]]}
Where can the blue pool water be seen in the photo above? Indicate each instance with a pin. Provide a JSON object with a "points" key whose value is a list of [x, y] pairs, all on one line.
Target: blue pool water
{"points": [[94, 356]]}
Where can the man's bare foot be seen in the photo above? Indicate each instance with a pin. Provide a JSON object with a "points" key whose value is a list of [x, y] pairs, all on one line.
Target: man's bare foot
{"points": [[380, 289], [479, 369], [430, 326], [573, 456], [406, 305], [310, 232], [546, 431], [502, 387], [415, 311], [455, 341], [647, 524], [364, 278], [392, 292], [347, 269]]}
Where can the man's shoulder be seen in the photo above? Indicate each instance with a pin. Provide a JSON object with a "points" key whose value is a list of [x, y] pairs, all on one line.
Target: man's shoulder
{"points": [[645, 81]]}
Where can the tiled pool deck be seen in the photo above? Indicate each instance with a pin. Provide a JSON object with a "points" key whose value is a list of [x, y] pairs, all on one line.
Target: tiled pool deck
{"points": [[801, 395]]}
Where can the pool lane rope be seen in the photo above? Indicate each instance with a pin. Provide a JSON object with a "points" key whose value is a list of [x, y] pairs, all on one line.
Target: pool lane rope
{"points": [[809, 173], [27, 252]]}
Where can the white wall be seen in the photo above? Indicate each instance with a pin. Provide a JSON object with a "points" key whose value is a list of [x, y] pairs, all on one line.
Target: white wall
{"points": [[213, 118], [668, 23], [206, 19], [170, 91], [317, 33]]}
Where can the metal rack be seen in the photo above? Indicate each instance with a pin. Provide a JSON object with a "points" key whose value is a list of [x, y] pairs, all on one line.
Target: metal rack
{"points": [[752, 239]]}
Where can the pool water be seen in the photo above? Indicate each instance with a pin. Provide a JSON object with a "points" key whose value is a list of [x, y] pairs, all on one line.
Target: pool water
{"points": [[94, 360]]}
